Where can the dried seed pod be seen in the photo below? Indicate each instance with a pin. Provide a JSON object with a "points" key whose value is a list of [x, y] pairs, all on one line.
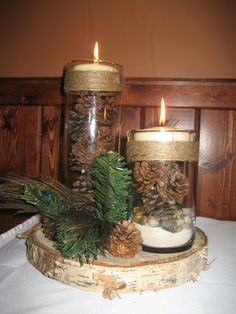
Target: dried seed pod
{"points": [[48, 227], [125, 240], [77, 125], [87, 149], [148, 173], [160, 183], [83, 183], [176, 187]]}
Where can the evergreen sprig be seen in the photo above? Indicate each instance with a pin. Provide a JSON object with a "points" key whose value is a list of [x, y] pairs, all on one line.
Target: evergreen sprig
{"points": [[81, 235], [79, 232], [82, 229], [112, 181]]}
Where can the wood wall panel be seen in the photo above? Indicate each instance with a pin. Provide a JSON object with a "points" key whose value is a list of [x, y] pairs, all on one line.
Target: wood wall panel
{"points": [[9, 123], [31, 91], [30, 125], [232, 201], [20, 147], [8, 220], [51, 122], [29, 145], [181, 118], [216, 177], [151, 117], [20, 139], [214, 94], [129, 119]]}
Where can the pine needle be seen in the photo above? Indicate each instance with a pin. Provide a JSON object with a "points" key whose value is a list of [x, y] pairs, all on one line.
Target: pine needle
{"points": [[81, 234], [112, 181]]}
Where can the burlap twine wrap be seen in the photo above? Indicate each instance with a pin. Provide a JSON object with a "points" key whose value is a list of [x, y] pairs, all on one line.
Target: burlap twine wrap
{"points": [[153, 150], [77, 81]]}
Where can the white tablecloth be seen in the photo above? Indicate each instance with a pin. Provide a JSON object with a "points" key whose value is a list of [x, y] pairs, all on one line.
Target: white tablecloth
{"points": [[24, 290]]}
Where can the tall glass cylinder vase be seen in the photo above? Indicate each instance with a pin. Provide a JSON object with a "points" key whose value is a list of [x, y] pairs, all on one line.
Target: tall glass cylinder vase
{"points": [[92, 109], [164, 170]]}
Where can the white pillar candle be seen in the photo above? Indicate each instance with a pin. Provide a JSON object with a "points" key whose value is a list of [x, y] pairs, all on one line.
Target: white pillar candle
{"points": [[94, 67], [163, 134]]}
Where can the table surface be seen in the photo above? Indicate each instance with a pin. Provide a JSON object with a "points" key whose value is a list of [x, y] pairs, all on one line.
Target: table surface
{"points": [[24, 290]]}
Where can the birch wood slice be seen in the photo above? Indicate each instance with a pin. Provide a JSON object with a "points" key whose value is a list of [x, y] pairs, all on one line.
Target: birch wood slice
{"points": [[147, 271]]}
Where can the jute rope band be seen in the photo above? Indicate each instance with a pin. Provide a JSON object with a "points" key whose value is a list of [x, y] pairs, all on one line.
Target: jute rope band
{"points": [[153, 150], [76, 81]]}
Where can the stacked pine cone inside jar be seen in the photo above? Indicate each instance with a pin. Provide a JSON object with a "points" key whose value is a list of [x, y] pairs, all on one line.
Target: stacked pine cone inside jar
{"points": [[90, 134], [162, 186]]}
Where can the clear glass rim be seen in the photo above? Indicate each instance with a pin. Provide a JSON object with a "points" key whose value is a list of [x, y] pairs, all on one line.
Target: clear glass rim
{"points": [[163, 128]]}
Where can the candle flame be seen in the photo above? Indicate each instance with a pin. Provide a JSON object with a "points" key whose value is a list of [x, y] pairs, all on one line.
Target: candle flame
{"points": [[95, 53], [163, 113], [105, 113]]}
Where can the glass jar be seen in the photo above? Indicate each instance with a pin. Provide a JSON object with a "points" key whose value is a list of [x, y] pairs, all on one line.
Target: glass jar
{"points": [[90, 118], [164, 163]]}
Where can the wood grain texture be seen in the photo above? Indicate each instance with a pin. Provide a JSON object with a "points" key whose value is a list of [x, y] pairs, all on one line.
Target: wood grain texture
{"points": [[50, 141], [180, 118], [9, 219], [216, 173], [139, 92], [31, 91], [29, 131], [180, 93], [110, 275], [130, 119], [20, 129], [232, 200]]}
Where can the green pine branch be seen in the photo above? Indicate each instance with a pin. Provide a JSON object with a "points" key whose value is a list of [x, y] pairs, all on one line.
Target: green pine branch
{"points": [[81, 234], [112, 181], [81, 230]]}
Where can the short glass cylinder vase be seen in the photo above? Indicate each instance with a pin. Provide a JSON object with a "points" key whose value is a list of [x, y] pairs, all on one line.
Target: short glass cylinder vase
{"points": [[90, 119], [164, 163]]}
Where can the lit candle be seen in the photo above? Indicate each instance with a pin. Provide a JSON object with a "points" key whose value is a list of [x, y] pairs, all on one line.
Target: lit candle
{"points": [[163, 133], [95, 65]]}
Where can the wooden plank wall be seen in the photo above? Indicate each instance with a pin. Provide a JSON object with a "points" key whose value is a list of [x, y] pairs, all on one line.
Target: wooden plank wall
{"points": [[31, 124]]}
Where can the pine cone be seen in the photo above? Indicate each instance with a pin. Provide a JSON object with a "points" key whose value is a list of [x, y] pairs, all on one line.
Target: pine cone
{"points": [[104, 107], [103, 116], [74, 165], [83, 183], [176, 187], [86, 150], [152, 200], [77, 125], [87, 101], [148, 173], [48, 227], [160, 183], [125, 240]]}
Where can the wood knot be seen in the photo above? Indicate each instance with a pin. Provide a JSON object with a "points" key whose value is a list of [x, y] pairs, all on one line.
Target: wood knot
{"points": [[26, 100], [8, 121]]}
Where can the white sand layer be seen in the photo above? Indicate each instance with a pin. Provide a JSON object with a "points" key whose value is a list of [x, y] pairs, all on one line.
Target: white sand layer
{"points": [[157, 237]]}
